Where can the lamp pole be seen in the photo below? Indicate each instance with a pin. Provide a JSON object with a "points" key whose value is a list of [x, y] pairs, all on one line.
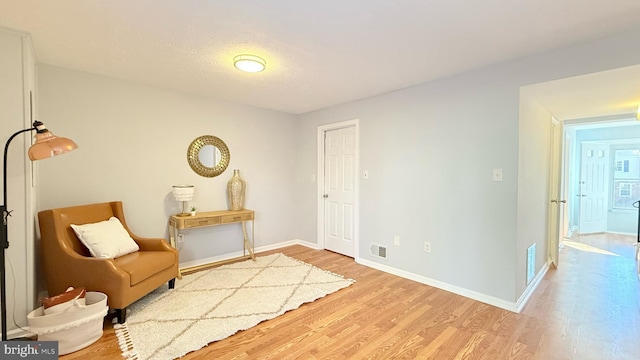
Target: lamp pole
{"points": [[46, 145], [4, 234]]}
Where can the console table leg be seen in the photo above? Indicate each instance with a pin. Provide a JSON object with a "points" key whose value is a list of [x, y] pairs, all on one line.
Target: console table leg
{"points": [[173, 233], [214, 218], [248, 245]]}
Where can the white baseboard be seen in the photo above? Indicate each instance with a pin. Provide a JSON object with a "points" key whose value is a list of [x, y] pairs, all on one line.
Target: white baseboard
{"points": [[442, 285], [289, 243], [510, 306], [200, 262], [533, 285], [621, 233], [209, 260]]}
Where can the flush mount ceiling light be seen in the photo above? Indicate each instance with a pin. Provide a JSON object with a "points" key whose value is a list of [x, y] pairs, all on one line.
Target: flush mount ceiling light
{"points": [[249, 63]]}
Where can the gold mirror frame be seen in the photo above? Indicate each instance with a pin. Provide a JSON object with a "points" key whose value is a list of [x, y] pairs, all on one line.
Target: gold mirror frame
{"points": [[194, 160]]}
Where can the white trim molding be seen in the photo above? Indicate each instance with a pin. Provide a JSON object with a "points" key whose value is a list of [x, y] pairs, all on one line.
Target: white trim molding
{"points": [[474, 295], [236, 254], [320, 184], [533, 285]]}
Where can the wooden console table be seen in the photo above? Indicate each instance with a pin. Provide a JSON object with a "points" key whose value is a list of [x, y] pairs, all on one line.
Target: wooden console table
{"points": [[214, 218]]}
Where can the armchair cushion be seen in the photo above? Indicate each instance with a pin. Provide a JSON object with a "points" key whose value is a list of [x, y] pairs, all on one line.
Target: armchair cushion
{"points": [[142, 265], [106, 239]]}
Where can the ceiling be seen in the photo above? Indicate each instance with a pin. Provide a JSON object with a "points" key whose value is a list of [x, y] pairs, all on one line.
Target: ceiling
{"points": [[318, 53], [613, 94]]}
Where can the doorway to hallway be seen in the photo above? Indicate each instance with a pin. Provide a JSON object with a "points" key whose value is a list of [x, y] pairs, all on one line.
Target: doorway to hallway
{"points": [[603, 177]]}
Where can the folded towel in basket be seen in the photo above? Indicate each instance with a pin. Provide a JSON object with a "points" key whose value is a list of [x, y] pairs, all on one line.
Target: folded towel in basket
{"points": [[69, 300]]}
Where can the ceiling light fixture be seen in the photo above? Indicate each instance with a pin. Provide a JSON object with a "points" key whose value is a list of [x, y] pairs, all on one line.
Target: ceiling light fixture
{"points": [[249, 63]]}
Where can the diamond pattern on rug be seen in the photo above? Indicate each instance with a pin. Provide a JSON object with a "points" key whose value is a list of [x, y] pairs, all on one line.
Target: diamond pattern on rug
{"points": [[211, 305]]}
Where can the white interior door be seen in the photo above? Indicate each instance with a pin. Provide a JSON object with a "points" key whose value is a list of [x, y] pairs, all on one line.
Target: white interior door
{"points": [[594, 186], [557, 202], [339, 190]]}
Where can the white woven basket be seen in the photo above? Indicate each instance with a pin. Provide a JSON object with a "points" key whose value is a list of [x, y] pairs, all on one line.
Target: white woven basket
{"points": [[73, 330]]}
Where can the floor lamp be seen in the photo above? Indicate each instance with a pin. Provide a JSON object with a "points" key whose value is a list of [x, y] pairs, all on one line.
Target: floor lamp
{"points": [[46, 145]]}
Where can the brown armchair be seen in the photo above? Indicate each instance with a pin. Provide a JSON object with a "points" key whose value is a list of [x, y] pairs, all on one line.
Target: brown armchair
{"points": [[125, 279]]}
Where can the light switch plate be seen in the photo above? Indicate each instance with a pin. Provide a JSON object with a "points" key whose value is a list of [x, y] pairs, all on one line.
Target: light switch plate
{"points": [[365, 174]]}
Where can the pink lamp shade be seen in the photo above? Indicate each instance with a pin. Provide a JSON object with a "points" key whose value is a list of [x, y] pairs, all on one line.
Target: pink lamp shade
{"points": [[48, 145]]}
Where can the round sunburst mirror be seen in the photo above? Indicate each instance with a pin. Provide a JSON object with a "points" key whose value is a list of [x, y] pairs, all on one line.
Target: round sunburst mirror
{"points": [[208, 156]]}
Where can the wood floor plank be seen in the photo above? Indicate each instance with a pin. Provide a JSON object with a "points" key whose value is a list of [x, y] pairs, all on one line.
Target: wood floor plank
{"points": [[588, 308], [438, 348]]}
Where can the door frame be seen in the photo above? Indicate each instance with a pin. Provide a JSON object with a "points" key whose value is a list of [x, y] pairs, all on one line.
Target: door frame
{"points": [[557, 199], [573, 157], [322, 129]]}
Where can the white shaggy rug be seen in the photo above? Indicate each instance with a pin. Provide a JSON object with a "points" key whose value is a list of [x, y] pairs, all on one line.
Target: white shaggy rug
{"points": [[214, 304]]}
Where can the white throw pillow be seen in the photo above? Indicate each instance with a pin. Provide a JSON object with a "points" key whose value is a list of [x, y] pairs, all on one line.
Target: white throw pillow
{"points": [[106, 239]]}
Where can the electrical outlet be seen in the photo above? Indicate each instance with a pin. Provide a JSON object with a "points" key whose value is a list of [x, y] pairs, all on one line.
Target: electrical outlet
{"points": [[180, 238], [497, 174], [427, 247], [396, 240]]}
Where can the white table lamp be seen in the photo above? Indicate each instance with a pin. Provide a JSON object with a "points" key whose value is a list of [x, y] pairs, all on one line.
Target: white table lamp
{"points": [[184, 194]]}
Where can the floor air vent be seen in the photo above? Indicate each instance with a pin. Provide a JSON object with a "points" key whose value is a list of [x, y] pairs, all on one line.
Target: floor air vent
{"points": [[379, 251]]}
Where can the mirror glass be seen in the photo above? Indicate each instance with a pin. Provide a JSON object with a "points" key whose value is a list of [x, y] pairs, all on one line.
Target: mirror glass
{"points": [[208, 156]]}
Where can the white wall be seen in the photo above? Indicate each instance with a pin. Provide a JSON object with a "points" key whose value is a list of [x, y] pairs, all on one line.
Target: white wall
{"points": [[430, 151], [133, 142], [533, 186], [17, 79]]}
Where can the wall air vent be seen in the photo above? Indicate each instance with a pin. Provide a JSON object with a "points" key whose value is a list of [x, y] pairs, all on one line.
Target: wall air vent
{"points": [[379, 251]]}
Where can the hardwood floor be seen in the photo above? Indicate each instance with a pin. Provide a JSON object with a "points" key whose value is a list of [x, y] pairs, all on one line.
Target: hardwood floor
{"points": [[589, 308]]}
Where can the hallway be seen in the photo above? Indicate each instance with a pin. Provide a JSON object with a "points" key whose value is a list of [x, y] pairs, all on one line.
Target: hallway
{"points": [[591, 303]]}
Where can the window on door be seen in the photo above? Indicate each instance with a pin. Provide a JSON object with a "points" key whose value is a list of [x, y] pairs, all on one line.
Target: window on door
{"points": [[626, 178]]}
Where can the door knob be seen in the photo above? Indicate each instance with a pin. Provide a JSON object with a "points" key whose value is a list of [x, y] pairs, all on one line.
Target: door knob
{"points": [[554, 200], [563, 201], [325, 196]]}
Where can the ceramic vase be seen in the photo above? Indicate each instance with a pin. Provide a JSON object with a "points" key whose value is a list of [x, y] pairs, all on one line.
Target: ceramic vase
{"points": [[235, 191]]}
